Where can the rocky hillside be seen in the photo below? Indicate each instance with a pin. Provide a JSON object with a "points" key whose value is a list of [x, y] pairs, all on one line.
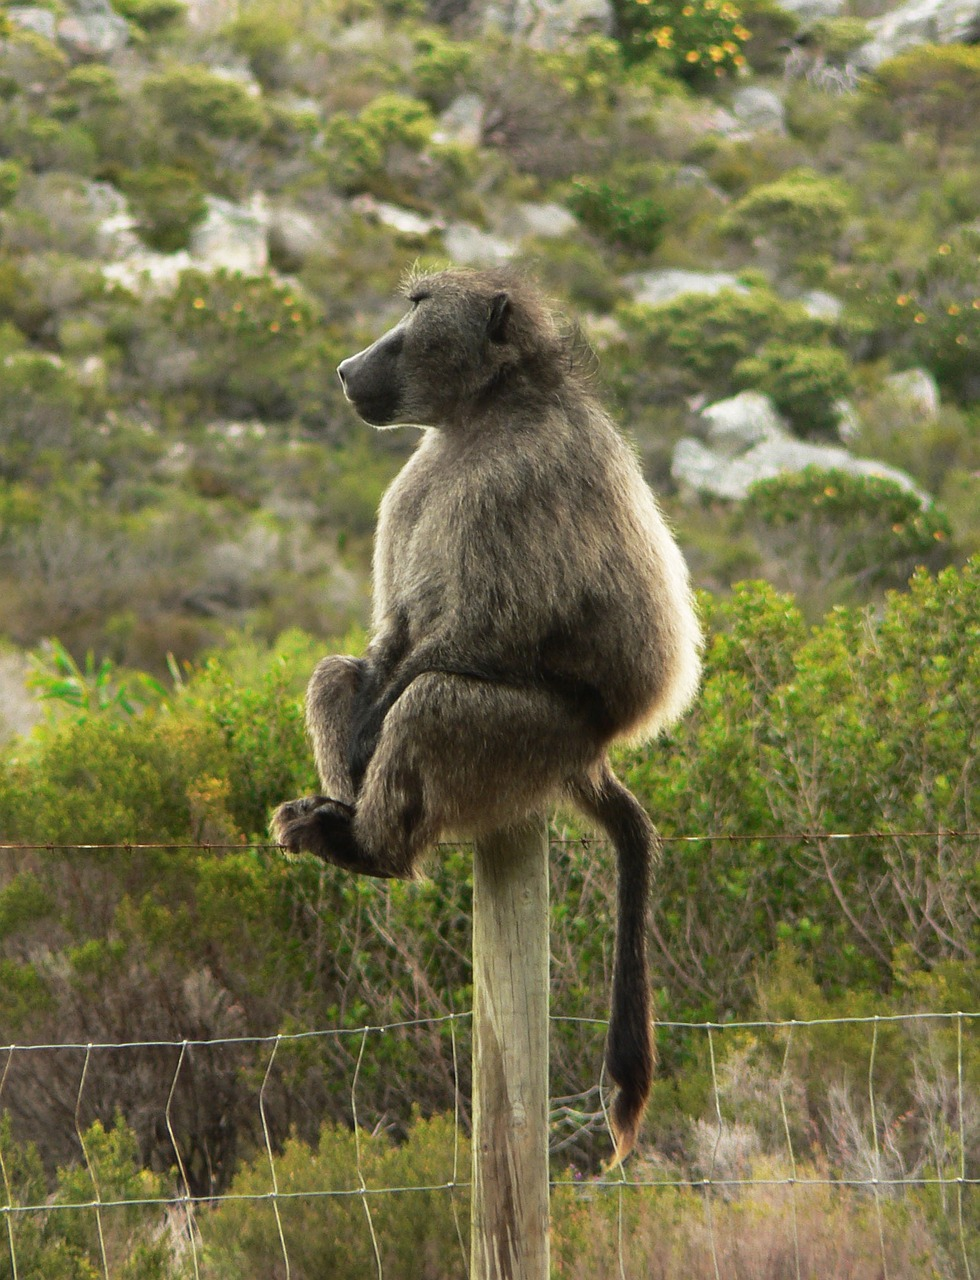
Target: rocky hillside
{"points": [[765, 216]]}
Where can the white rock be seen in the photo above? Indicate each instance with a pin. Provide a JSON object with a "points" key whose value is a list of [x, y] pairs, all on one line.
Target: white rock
{"points": [[405, 221], [549, 24], [705, 470], [470, 247], [462, 121], [233, 236], [293, 235], [655, 288], [735, 425], [30, 18], [821, 305], [207, 15], [917, 389], [93, 30], [149, 274], [548, 221], [759, 110], [810, 11], [919, 22]]}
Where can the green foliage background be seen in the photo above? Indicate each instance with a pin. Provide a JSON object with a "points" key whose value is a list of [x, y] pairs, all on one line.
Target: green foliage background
{"points": [[187, 504]]}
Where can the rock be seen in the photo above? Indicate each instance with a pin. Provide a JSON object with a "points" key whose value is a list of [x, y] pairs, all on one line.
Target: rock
{"points": [[759, 110], [919, 22], [917, 391], [707, 471], [547, 221], [19, 711], [468, 246], [549, 24], [293, 237], [735, 425], [821, 305], [811, 11], [30, 18], [848, 422], [655, 288], [146, 273], [208, 15], [405, 221], [462, 121], [93, 30], [233, 236]]}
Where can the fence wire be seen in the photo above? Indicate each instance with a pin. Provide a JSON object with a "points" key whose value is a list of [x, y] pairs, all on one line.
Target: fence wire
{"points": [[715, 1187]]}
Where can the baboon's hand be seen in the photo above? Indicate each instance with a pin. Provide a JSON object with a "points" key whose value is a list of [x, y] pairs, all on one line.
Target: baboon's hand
{"points": [[291, 820]]}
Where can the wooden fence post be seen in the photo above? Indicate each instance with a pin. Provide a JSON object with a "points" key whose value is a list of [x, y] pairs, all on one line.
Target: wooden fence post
{"points": [[509, 1220]]}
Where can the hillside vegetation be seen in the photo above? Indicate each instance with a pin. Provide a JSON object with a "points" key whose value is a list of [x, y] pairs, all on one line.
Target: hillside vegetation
{"points": [[202, 210]]}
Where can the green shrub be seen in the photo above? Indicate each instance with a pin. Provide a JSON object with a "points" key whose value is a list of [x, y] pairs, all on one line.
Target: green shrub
{"points": [[932, 313], [618, 215], [10, 176], [803, 212], [442, 67], [264, 39], [167, 202], [152, 16], [858, 528], [804, 382], [771, 29], [356, 149], [700, 40], [706, 336], [935, 87], [838, 37]]}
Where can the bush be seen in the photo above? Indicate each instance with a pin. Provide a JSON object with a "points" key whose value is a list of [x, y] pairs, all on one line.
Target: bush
{"points": [[167, 202], [706, 336], [700, 40], [152, 16], [848, 529], [619, 215], [10, 175], [805, 383], [935, 87], [264, 39], [771, 30], [357, 148], [802, 212]]}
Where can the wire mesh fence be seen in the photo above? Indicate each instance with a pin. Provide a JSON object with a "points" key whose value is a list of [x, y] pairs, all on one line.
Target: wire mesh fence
{"points": [[751, 1168]]}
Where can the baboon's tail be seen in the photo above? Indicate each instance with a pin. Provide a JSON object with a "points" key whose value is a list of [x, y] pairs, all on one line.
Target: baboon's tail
{"points": [[630, 1052]]}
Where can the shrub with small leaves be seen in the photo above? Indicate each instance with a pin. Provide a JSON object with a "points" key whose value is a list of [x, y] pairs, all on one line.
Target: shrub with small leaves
{"points": [[618, 215], [802, 212], [168, 203], [805, 383], [864, 528], [934, 87], [700, 40]]}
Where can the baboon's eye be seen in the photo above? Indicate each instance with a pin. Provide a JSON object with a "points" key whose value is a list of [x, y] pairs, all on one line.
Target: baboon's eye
{"points": [[416, 298]]}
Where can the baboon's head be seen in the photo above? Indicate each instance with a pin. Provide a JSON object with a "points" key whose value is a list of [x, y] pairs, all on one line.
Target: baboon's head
{"points": [[467, 336]]}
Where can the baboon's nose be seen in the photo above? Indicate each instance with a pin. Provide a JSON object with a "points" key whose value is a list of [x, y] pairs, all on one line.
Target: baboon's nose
{"points": [[342, 369]]}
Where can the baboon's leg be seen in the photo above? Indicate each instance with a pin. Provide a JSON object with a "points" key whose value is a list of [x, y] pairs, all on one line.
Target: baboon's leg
{"points": [[331, 698], [461, 755]]}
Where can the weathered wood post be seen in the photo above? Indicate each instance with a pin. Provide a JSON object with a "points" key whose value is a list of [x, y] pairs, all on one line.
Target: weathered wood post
{"points": [[509, 1219]]}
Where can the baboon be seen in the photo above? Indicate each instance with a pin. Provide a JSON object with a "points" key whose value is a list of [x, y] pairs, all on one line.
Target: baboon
{"points": [[530, 608]]}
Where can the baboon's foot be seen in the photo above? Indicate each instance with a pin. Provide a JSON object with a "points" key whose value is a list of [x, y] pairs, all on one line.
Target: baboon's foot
{"points": [[321, 826]]}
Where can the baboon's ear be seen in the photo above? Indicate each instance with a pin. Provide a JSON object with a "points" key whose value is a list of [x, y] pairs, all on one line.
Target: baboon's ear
{"points": [[499, 314]]}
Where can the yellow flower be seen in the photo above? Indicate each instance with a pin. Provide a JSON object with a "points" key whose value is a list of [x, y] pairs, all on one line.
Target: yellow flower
{"points": [[274, 327], [688, 11], [961, 339], [730, 46], [902, 300], [975, 304], [953, 309], [738, 60], [664, 37], [945, 248], [296, 317], [692, 55], [237, 306], [920, 318], [740, 33], [716, 53], [198, 304]]}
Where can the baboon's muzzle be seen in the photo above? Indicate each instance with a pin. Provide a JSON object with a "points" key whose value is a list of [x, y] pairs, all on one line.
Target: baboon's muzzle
{"points": [[372, 379]]}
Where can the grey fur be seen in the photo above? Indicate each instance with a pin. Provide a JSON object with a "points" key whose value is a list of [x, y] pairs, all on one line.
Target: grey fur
{"points": [[530, 608]]}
